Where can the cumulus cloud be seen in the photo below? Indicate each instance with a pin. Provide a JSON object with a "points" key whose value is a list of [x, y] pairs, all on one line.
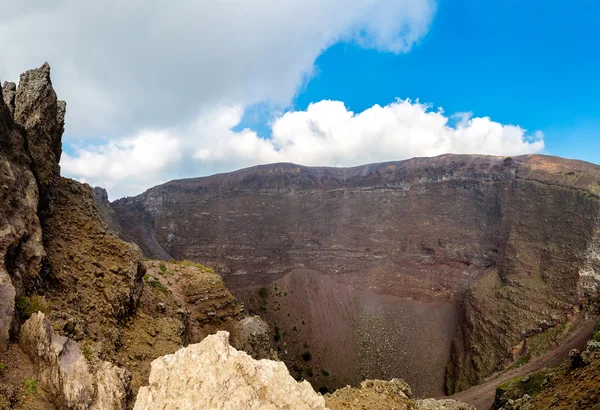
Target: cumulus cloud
{"points": [[130, 164], [326, 133], [127, 65]]}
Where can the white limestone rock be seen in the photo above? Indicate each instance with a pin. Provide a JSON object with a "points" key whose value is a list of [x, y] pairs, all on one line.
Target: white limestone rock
{"points": [[212, 375]]}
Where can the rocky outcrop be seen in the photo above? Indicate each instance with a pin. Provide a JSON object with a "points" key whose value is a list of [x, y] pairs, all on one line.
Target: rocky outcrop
{"points": [[372, 394], [253, 336], [228, 379], [444, 404], [54, 247], [31, 127], [64, 373], [42, 116], [9, 92], [112, 387], [384, 395], [21, 248], [510, 242]]}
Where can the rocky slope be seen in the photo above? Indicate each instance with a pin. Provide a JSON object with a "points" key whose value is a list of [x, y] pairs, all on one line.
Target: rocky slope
{"points": [[508, 246], [77, 328]]}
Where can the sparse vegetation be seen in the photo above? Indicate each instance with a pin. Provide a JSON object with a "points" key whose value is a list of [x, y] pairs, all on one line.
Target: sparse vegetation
{"points": [[277, 336], [531, 384], [324, 372], [87, 350], [162, 269], [263, 293], [596, 335], [2, 367], [306, 356], [28, 306], [540, 343], [522, 360], [155, 283], [31, 386], [187, 263]]}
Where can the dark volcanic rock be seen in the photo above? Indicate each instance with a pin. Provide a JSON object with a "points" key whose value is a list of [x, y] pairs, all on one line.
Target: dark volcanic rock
{"points": [[9, 92], [513, 242], [42, 115], [21, 249]]}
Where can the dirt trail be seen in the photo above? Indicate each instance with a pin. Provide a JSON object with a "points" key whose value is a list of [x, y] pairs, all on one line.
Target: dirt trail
{"points": [[482, 396]]}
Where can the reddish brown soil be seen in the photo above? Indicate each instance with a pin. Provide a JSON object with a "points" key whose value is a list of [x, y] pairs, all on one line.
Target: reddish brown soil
{"points": [[353, 335], [482, 396]]}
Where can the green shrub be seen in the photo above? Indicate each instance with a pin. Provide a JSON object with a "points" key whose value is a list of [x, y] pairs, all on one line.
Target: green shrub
{"points": [[521, 361], [162, 269], [596, 335], [277, 336], [2, 367], [263, 293], [155, 283], [324, 372], [28, 306], [87, 350], [31, 386], [306, 356]]}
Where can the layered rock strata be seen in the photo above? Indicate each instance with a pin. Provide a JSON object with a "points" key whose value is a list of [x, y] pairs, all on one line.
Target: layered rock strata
{"points": [[510, 243]]}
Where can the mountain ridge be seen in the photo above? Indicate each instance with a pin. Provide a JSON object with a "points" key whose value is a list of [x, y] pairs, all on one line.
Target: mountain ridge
{"points": [[347, 173]]}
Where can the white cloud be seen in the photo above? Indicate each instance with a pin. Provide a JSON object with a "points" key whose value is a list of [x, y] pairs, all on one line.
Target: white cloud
{"points": [[129, 165], [327, 133], [127, 65]]}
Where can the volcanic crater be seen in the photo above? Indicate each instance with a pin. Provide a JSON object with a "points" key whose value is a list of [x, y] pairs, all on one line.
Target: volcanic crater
{"points": [[442, 271]]}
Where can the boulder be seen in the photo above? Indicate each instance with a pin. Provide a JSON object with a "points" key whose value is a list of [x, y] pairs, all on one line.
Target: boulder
{"points": [[214, 375], [64, 373], [253, 336]]}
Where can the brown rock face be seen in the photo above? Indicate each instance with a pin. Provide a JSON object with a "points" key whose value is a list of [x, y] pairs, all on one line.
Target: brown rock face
{"points": [[510, 243], [95, 278]]}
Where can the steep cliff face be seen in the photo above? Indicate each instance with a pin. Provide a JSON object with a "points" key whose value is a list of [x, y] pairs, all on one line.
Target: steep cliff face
{"points": [[511, 242]]}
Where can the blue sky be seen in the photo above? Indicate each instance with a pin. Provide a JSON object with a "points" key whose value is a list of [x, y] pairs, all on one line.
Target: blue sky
{"points": [[165, 90], [531, 63]]}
